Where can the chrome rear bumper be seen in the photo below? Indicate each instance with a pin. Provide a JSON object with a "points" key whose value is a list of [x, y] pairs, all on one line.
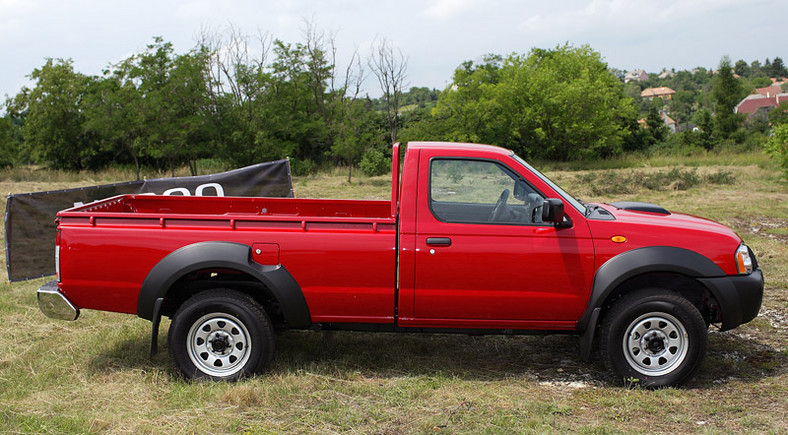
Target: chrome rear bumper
{"points": [[54, 304]]}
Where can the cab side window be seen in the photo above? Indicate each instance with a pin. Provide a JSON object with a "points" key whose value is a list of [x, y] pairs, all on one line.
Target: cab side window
{"points": [[481, 191]]}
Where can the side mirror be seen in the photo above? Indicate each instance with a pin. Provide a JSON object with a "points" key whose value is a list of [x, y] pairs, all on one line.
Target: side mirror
{"points": [[553, 210]]}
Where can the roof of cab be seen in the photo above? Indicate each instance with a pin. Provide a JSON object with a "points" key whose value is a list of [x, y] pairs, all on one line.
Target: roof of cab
{"points": [[458, 145]]}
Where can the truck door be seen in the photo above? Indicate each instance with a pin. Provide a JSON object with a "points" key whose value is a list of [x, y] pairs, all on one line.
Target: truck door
{"points": [[483, 255]]}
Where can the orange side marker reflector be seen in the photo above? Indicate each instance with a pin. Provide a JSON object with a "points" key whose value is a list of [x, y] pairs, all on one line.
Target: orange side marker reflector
{"points": [[618, 239]]}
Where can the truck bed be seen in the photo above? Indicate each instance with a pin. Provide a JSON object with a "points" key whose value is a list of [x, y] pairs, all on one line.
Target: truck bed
{"points": [[340, 235], [141, 209]]}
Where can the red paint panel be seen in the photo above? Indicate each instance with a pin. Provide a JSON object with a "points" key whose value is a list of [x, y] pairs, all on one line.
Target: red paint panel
{"points": [[496, 272], [265, 253], [346, 273]]}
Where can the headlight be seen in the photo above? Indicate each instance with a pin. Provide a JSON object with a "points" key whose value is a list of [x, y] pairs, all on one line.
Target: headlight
{"points": [[743, 259]]}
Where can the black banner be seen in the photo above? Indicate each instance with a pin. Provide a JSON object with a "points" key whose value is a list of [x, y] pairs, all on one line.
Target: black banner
{"points": [[29, 217]]}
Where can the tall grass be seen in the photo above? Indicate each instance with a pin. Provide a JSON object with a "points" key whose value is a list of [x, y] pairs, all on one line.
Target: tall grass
{"points": [[655, 159], [622, 181], [112, 174]]}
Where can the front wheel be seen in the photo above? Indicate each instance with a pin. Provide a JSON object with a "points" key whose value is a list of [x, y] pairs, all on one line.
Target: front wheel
{"points": [[221, 335], [653, 336]]}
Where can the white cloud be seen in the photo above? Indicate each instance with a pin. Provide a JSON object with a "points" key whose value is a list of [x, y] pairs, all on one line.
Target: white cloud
{"points": [[199, 9], [285, 20], [446, 9], [13, 14], [627, 14]]}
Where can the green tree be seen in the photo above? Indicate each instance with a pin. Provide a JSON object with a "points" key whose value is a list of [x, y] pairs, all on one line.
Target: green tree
{"points": [[777, 146], [562, 104], [658, 132], [778, 68], [53, 119], [420, 97], [115, 116], [291, 106], [469, 108], [187, 91], [156, 104], [741, 68], [142, 82], [779, 115], [761, 82], [244, 111], [10, 141], [355, 135], [756, 69], [726, 93], [705, 122]]}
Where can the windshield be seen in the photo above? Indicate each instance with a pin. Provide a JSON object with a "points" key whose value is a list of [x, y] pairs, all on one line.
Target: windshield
{"points": [[566, 197]]}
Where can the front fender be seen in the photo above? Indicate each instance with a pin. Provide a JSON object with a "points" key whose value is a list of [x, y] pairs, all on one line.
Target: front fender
{"points": [[224, 255], [639, 261]]}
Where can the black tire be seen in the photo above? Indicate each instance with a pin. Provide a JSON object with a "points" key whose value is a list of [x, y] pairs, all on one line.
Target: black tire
{"points": [[221, 335], [653, 336]]}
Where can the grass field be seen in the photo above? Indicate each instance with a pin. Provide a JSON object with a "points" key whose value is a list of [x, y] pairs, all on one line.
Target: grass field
{"points": [[94, 375]]}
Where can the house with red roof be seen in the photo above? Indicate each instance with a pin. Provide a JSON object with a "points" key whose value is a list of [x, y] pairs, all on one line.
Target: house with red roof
{"points": [[753, 102], [669, 122], [663, 92], [770, 91]]}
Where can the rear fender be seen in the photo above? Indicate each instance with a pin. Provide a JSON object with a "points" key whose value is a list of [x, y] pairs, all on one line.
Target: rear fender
{"points": [[222, 255]]}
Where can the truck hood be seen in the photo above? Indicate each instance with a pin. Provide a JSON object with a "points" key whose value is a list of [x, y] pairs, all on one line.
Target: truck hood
{"points": [[648, 224], [655, 221], [621, 227]]}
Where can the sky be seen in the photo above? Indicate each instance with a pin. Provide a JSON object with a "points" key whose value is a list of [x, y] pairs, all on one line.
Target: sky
{"points": [[435, 36]]}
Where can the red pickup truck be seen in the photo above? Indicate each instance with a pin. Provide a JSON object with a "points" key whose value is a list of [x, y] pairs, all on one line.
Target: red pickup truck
{"points": [[474, 240]]}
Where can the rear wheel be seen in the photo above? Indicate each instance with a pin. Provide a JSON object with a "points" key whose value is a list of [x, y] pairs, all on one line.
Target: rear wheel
{"points": [[221, 335], [653, 336]]}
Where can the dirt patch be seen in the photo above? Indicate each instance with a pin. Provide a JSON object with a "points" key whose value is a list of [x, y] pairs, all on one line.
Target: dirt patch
{"points": [[777, 318], [772, 228]]}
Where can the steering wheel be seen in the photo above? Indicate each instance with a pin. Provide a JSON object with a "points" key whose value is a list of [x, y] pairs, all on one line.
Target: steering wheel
{"points": [[500, 206]]}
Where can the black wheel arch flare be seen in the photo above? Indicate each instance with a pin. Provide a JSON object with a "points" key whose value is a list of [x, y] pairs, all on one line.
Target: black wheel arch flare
{"points": [[223, 255], [640, 261]]}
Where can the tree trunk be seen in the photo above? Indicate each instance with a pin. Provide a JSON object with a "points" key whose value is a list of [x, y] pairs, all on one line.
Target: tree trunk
{"points": [[136, 164]]}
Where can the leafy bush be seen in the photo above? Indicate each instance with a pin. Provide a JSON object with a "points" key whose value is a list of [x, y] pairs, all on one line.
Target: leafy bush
{"points": [[374, 162], [301, 167], [676, 179], [686, 143], [722, 177], [611, 182], [777, 146], [455, 174]]}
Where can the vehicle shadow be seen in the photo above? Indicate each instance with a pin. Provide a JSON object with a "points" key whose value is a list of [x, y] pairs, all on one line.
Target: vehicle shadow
{"points": [[132, 353], [733, 356], [539, 358], [549, 358]]}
